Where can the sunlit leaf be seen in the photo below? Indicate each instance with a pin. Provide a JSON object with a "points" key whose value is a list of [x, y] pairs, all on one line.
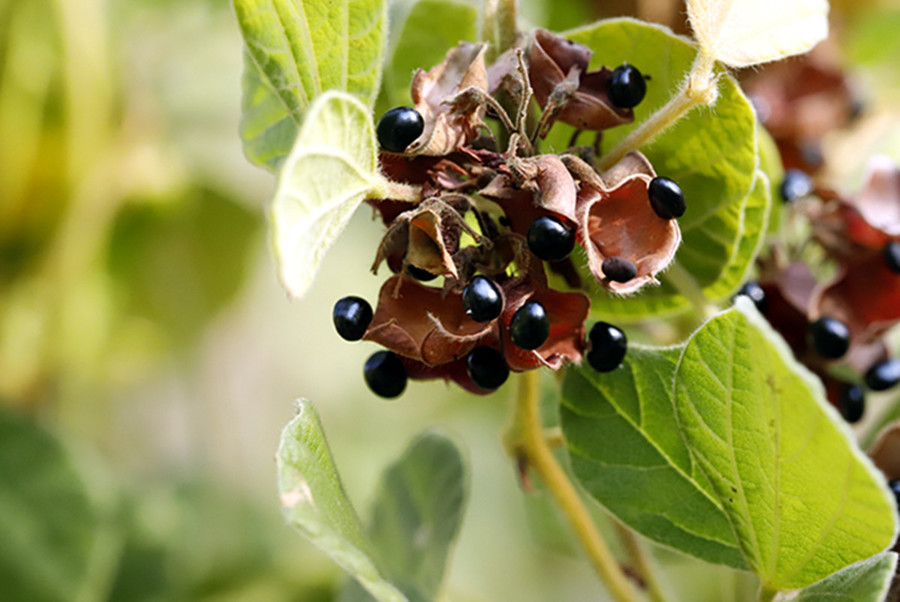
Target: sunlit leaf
{"points": [[866, 581], [740, 33], [330, 171], [314, 502], [295, 51], [802, 499]]}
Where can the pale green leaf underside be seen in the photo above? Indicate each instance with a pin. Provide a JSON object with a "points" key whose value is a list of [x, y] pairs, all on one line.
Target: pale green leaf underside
{"points": [[741, 33], [431, 28], [314, 502], [49, 525], [626, 454], [295, 51], [866, 581], [803, 501], [416, 517], [330, 171]]}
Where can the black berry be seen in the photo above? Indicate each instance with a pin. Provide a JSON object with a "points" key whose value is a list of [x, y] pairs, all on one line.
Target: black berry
{"points": [[892, 256], [550, 239], [894, 486], [608, 346], [486, 367], [883, 375], [619, 269], [626, 87], [419, 274], [666, 198], [398, 128], [352, 316], [830, 337], [481, 299], [385, 374], [756, 294], [530, 326], [851, 402], [795, 185]]}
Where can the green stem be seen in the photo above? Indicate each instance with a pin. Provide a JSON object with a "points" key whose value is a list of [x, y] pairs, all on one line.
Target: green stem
{"points": [[641, 561], [499, 26], [527, 442], [766, 594], [699, 88], [686, 285]]}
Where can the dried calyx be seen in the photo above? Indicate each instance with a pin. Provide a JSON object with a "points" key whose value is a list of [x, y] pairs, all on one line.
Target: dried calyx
{"points": [[469, 298]]}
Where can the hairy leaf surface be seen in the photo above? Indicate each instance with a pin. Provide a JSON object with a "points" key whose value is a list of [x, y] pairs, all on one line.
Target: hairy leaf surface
{"points": [[330, 171], [866, 581], [314, 502], [803, 501]]}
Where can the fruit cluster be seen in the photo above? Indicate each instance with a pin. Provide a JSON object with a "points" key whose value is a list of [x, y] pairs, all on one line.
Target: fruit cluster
{"points": [[480, 259], [836, 293]]}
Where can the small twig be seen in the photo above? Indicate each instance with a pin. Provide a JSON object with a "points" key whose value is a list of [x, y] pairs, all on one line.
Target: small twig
{"points": [[641, 561]]}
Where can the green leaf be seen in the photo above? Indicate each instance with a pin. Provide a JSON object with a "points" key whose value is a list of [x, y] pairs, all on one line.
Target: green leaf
{"points": [[295, 51], [330, 171], [313, 501], [866, 581], [802, 499], [49, 525], [416, 516], [626, 454], [717, 253], [431, 28], [771, 165]]}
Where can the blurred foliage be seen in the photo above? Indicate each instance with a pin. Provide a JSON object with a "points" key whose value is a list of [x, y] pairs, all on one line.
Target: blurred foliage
{"points": [[148, 357]]}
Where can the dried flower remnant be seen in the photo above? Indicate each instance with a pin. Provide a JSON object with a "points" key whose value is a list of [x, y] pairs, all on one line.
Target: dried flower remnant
{"points": [[616, 219]]}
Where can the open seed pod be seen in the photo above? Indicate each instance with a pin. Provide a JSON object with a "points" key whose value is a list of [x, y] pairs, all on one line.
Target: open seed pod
{"points": [[558, 65], [615, 219], [450, 100]]}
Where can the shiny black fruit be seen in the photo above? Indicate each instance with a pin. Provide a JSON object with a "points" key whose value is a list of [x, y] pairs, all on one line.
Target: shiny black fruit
{"points": [[385, 374], [550, 239], [398, 128], [351, 317], [486, 367], [626, 87], [530, 326], [666, 198], [830, 337], [608, 346], [481, 299]]}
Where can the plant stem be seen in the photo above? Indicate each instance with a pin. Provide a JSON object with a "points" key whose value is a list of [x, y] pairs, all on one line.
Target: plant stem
{"points": [[699, 88], [641, 561], [687, 286], [766, 594], [526, 441], [498, 26]]}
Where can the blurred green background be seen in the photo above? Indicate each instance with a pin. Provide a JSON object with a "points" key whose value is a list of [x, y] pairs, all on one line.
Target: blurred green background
{"points": [[149, 358]]}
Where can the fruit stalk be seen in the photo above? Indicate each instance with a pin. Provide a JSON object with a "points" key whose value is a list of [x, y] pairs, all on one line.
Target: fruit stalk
{"points": [[526, 441]]}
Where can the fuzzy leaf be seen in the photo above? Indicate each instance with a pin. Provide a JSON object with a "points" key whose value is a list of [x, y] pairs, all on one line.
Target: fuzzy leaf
{"points": [[330, 171], [416, 517], [741, 33], [627, 456], [866, 581], [314, 502], [295, 51], [802, 499]]}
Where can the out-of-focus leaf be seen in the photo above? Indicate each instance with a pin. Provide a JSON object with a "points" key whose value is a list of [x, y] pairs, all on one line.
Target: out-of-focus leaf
{"points": [[416, 517], [865, 581], [801, 497], [178, 263], [741, 33], [296, 50], [314, 502], [49, 525], [332, 168]]}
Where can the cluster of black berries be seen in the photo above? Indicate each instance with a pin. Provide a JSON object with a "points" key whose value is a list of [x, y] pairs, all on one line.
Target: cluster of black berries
{"points": [[491, 224], [839, 318]]}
